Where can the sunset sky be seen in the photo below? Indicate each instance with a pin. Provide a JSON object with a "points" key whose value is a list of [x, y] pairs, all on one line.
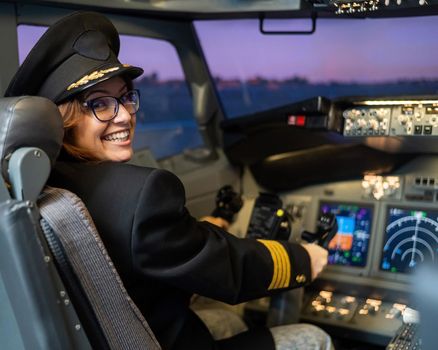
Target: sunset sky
{"points": [[343, 50]]}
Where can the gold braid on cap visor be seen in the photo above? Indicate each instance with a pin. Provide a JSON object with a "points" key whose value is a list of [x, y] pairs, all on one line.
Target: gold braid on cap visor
{"points": [[93, 76]]}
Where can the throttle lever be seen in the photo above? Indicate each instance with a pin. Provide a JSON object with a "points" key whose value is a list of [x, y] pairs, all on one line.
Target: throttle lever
{"points": [[228, 203], [326, 229]]}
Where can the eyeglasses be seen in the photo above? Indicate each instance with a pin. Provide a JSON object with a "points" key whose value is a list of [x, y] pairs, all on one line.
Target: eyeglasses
{"points": [[105, 108]]}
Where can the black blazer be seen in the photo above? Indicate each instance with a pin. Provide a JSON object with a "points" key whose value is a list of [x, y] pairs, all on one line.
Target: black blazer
{"points": [[164, 255]]}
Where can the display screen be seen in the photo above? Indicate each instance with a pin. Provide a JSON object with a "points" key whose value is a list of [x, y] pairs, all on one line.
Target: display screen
{"points": [[350, 245], [411, 238]]}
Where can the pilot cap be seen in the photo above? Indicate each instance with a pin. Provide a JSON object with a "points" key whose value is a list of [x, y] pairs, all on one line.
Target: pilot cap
{"points": [[75, 53]]}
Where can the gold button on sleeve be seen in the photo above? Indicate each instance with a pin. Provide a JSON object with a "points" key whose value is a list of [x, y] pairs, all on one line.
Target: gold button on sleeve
{"points": [[300, 279]]}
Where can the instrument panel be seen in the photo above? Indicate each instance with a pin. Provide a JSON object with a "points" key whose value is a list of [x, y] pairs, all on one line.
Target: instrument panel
{"points": [[387, 225], [387, 229], [409, 236], [391, 118]]}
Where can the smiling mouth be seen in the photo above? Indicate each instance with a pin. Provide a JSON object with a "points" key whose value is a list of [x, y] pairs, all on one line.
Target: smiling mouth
{"points": [[119, 136]]}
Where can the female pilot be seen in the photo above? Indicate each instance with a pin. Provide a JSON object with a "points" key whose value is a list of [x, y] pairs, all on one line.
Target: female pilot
{"points": [[162, 254]]}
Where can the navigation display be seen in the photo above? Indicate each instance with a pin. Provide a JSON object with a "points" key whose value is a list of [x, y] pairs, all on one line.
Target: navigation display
{"points": [[411, 238], [349, 247]]}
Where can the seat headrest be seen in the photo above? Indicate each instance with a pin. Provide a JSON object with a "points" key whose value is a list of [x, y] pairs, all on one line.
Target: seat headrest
{"points": [[29, 121]]}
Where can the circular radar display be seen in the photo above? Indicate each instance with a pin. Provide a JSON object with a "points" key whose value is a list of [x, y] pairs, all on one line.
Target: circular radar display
{"points": [[411, 239]]}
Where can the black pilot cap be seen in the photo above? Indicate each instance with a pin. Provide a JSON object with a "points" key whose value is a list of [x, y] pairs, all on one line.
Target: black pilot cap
{"points": [[77, 52]]}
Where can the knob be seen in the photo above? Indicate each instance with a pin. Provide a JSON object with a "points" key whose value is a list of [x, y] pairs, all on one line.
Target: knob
{"points": [[374, 124], [361, 123], [402, 119]]}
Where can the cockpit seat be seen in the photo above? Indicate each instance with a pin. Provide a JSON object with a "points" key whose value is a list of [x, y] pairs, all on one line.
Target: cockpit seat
{"points": [[68, 218], [56, 276]]}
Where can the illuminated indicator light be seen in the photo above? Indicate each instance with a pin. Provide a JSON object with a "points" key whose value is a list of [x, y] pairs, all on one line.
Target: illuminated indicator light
{"points": [[315, 303], [297, 120], [325, 294], [419, 214], [291, 120], [280, 212], [343, 312], [374, 302], [301, 120], [350, 299], [330, 309], [319, 307], [363, 312], [400, 307], [393, 269]]}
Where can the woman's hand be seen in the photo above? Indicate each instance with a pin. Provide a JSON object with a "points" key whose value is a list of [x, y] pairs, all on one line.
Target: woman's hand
{"points": [[216, 221], [318, 258]]}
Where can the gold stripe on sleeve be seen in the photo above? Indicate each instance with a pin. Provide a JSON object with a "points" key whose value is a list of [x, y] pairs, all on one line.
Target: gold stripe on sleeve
{"points": [[281, 262], [280, 265], [274, 256], [283, 265]]}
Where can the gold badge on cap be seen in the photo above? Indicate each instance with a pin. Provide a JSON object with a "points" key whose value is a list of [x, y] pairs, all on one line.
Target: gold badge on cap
{"points": [[92, 76]]}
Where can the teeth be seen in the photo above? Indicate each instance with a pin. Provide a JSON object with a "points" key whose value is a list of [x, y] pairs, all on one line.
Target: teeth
{"points": [[117, 136]]}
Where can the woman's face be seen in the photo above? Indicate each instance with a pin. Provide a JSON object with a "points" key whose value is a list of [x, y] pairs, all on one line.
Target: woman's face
{"points": [[106, 141]]}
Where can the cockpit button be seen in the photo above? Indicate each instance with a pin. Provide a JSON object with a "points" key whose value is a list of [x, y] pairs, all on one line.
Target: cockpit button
{"points": [[427, 130], [418, 129]]}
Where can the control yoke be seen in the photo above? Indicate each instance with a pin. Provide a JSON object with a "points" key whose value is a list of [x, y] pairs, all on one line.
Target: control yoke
{"points": [[228, 203], [326, 229]]}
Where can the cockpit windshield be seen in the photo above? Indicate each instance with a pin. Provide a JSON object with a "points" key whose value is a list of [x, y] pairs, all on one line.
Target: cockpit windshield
{"points": [[344, 57]]}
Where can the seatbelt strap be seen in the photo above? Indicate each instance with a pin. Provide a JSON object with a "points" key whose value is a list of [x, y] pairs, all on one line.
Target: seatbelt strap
{"points": [[75, 292]]}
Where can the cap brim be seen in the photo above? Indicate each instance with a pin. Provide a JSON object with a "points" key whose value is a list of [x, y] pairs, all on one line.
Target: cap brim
{"points": [[104, 73]]}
